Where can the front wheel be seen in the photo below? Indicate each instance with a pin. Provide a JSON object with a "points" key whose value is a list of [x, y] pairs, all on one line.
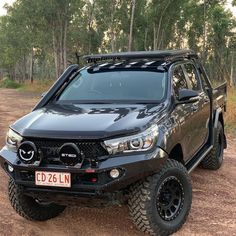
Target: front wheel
{"points": [[160, 204], [30, 208]]}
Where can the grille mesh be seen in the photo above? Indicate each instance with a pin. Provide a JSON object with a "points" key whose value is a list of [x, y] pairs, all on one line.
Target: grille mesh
{"points": [[50, 148]]}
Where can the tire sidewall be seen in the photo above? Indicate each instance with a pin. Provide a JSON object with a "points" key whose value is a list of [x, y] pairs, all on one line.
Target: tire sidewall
{"points": [[28, 207], [220, 133], [182, 176]]}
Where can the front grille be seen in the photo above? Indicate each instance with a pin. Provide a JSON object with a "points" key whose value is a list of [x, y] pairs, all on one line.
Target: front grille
{"points": [[51, 148]]}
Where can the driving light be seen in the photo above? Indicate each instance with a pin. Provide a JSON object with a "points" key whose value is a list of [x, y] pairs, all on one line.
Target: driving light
{"points": [[139, 142], [13, 139], [114, 173]]}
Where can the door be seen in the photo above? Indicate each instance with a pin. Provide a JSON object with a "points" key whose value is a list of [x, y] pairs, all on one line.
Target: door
{"points": [[183, 114], [201, 109]]}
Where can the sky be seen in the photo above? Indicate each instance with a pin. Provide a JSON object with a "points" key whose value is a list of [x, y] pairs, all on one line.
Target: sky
{"points": [[3, 11], [2, 3], [229, 5]]}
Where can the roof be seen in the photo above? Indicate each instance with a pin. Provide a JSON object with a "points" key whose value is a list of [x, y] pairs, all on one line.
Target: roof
{"points": [[160, 54]]}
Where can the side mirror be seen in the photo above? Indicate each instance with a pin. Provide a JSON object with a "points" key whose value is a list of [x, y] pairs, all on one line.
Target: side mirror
{"points": [[43, 94], [187, 96]]}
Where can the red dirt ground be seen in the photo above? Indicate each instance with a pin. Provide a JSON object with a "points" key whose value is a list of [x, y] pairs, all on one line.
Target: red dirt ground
{"points": [[213, 209]]}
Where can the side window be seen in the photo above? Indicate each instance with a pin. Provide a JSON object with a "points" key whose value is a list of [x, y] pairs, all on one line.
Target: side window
{"points": [[179, 81], [204, 84], [192, 76]]}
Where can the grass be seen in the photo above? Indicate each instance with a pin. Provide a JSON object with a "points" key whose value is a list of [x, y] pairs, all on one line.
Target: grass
{"points": [[39, 86], [230, 116], [8, 83]]}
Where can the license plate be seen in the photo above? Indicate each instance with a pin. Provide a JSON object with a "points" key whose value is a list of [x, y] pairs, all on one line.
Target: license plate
{"points": [[56, 179]]}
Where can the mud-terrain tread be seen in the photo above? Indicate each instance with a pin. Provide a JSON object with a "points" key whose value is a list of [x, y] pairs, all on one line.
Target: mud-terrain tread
{"points": [[27, 207], [211, 161], [140, 194]]}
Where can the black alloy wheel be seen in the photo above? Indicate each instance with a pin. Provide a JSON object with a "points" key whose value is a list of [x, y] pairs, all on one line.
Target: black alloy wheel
{"points": [[170, 198]]}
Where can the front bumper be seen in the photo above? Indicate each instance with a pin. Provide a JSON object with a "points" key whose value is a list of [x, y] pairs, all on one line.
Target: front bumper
{"points": [[132, 168]]}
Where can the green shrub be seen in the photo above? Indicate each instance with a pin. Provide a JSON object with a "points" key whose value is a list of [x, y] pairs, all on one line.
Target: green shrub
{"points": [[8, 83]]}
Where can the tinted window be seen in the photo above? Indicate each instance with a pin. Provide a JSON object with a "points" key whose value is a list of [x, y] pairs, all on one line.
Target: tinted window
{"points": [[179, 81], [192, 76], [116, 85], [203, 81]]}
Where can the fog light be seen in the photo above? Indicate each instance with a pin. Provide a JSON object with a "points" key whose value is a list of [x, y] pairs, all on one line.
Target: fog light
{"points": [[114, 173], [10, 168]]}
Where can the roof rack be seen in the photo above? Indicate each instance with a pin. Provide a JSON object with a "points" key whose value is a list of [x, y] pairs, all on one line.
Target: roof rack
{"points": [[161, 54]]}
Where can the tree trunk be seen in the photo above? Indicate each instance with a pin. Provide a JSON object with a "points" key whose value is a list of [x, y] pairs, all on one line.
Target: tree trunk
{"points": [[145, 39], [60, 49], [59, 38], [158, 31], [232, 71], [133, 2], [90, 22], [112, 27], [64, 45], [157, 34], [55, 53], [160, 39], [204, 33], [31, 66], [24, 70], [154, 37], [11, 72]]}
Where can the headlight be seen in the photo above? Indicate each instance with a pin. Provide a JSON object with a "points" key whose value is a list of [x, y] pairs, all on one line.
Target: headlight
{"points": [[139, 142], [13, 139]]}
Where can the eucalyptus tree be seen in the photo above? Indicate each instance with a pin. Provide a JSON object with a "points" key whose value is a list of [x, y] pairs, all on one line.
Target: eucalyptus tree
{"points": [[16, 40], [50, 33]]}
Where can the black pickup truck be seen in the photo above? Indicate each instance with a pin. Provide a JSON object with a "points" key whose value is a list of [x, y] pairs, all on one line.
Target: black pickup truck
{"points": [[126, 128]]}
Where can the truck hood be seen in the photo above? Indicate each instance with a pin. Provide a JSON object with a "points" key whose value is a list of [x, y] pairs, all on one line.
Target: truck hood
{"points": [[87, 121]]}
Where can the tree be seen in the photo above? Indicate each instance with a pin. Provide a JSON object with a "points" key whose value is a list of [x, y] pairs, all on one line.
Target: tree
{"points": [[56, 17], [133, 3], [17, 41], [43, 45]]}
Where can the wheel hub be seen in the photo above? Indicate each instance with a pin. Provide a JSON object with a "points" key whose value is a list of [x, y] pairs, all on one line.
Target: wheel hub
{"points": [[170, 198], [165, 198]]}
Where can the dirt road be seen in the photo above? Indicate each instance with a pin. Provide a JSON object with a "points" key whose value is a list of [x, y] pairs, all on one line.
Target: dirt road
{"points": [[214, 196]]}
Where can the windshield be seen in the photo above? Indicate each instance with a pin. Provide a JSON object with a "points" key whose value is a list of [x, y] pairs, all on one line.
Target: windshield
{"points": [[120, 86]]}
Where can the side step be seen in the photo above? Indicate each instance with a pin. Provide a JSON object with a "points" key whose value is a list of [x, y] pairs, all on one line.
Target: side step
{"points": [[193, 163]]}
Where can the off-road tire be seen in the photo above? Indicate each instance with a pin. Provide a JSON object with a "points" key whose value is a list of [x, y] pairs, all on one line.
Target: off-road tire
{"points": [[28, 207], [214, 159], [143, 200]]}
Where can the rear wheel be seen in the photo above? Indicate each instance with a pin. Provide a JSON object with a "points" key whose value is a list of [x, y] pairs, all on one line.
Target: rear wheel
{"points": [[30, 208], [214, 159], [160, 204]]}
